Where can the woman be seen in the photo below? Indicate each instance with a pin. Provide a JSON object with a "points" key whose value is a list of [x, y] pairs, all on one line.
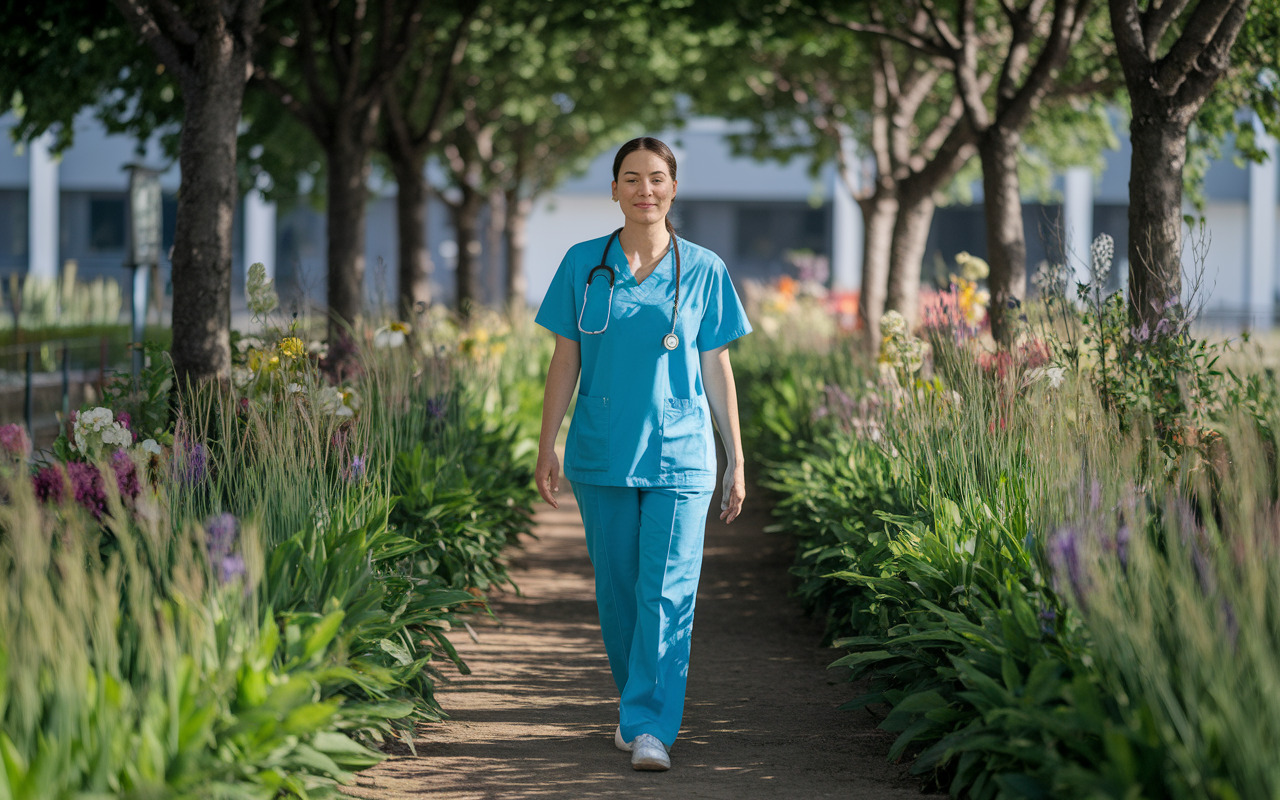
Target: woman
{"points": [[646, 318]]}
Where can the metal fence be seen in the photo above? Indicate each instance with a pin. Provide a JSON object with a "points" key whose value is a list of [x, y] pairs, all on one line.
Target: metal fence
{"points": [[40, 382]]}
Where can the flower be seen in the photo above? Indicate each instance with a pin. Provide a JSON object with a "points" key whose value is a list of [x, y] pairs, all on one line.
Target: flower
{"points": [[220, 535], [125, 420], [292, 347], [14, 442], [88, 488], [126, 474], [354, 471], [49, 484], [972, 268], [1064, 556], [191, 464], [393, 335], [292, 388], [231, 568], [150, 446], [97, 427]]}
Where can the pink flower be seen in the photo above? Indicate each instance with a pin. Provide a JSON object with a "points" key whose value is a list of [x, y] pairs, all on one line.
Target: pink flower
{"points": [[89, 489], [49, 484], [126, 474], [14, 442]]}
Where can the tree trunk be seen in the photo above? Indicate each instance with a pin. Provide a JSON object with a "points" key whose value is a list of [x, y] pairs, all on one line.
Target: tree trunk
{"points": [[202, 242], [414, 259], [518, 210], [495, 237], [1155, 213], [466, 225], [906, 252], [1006, 238], [348, 163], [879, 212]]}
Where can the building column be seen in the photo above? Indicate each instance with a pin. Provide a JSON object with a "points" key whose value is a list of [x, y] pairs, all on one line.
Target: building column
{"points": [[259, 232], [1077, 222], [1261, 285], [42, 210], [846, 229]]}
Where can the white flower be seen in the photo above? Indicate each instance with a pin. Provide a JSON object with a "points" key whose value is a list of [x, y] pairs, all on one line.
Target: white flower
{"points": [[293, 388], [241, 377], [247, 342], [89, 423], [117, 435], [1056, 376], [393, 335], [150, 446]]}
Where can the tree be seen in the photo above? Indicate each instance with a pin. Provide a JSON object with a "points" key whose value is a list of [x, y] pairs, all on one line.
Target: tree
{"points": [[415, 106], [1173, 53], [1033, 44], [64, 56], [330, 65], [537, 98], [806, 76]]}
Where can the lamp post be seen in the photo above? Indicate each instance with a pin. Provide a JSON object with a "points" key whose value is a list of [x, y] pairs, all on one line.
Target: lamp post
{"points": [[144, 247]]}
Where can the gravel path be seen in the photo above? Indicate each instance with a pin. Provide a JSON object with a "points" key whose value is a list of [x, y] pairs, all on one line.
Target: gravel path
{"points": [[535, 718]]}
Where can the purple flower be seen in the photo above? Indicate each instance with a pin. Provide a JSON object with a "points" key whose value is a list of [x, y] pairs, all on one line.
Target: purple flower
{"points": [[126, 474], [1122, 544], [354, 471], [220, 536], [125, 420], [192, 462], [90, 492], [437, 405], [49, 484], [14, 442], [1064, 556], [230, 568]]}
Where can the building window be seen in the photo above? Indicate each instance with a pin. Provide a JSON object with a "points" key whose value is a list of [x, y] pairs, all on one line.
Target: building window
{"points": [[13, 224], [106, 224]]}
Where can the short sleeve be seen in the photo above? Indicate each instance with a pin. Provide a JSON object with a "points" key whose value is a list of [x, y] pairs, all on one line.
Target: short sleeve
{"points": [[558, 312], [725, 318]]}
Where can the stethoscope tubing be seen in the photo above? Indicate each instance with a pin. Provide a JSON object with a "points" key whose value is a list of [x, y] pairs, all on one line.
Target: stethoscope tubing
{"points": [[612, 275]]}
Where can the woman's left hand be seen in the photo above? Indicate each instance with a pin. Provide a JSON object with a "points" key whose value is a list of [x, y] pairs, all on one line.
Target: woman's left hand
{"points": [[735, 491]]}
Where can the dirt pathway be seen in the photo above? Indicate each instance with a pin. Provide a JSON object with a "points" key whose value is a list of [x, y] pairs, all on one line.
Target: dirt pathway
{"points": [[535, 718]]}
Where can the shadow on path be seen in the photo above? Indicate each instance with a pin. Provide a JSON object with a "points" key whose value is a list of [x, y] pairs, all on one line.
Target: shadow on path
{"points": [[535, 718]]}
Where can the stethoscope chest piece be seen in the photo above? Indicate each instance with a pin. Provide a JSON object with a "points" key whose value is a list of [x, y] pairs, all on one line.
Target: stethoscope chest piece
{"points": [[671, 341]]}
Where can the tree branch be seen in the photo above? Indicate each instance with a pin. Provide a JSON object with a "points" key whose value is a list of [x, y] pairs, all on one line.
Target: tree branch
{"points": [[1156, 20], [1197, 36], [140, 19], [173, 22], [306, 114], [1068, 25], [310, 73], [1126, 26], [1197, 85], [918, 43]]}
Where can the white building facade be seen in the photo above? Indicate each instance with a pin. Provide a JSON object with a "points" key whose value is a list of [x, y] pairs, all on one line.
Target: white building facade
{"points": [[73, 208]]}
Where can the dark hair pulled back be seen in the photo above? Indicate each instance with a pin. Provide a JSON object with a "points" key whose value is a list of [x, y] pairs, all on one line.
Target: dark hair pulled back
{"points": [[650, 145]]}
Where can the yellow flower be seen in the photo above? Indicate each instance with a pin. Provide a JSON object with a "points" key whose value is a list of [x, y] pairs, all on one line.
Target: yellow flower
{"points": [[292, 347]]}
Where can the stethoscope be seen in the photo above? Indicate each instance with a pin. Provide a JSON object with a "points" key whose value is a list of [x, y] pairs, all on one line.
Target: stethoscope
{"points": [[670, 341]]}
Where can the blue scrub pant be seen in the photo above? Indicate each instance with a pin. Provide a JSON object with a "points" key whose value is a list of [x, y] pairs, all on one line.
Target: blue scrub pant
{"points": [[646, 547]]}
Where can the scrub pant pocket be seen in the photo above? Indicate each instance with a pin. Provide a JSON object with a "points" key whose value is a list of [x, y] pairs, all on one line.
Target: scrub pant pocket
{"points": [[646, 547]]}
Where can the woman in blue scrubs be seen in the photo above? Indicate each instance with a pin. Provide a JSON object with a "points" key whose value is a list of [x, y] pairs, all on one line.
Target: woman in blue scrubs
{"points": [[644, 318]]}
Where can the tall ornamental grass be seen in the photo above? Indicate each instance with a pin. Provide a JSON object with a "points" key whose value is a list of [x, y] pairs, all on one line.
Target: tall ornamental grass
{"points": [[1049, 591]]}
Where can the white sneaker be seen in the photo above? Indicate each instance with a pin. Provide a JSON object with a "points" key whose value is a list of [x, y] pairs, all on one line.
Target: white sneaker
{"points": [[619, 742], [648, 753]]}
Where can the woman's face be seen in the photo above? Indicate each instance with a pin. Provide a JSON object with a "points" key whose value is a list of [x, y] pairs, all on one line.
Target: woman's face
{"points": [[644, 188]]}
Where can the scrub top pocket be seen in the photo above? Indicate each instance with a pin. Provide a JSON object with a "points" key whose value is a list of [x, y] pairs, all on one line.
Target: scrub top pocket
{"points": [[684, 436], [591, 434]]}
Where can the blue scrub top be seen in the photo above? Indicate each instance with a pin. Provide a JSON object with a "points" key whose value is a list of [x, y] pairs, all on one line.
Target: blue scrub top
{"points": [[642, 417]]}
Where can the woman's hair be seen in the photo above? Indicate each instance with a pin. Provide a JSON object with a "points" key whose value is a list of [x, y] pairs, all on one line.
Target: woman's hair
{"points": [[652, 145], [649, 144]]}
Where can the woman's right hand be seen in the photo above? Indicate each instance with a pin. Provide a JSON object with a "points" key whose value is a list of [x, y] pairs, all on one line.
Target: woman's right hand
{"points": [[547, 475]]}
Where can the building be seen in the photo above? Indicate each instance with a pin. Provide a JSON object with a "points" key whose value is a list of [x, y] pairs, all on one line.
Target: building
{"points": [[751, 213]]}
